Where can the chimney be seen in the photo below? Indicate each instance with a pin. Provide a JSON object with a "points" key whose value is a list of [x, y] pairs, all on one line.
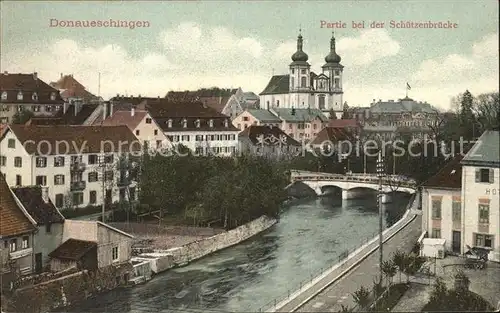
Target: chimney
{"points": [[132, 112], [6, 73], [104, 110], [35, 76], [61, 75], [45, 193], [110, 108]]}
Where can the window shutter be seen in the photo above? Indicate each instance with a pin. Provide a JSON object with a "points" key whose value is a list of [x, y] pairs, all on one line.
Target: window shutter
{"points": [[492, 176], [478, 175]]}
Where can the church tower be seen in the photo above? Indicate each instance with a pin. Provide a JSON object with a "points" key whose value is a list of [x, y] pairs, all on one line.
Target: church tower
{"points": [[300, 73], [333, 69]]}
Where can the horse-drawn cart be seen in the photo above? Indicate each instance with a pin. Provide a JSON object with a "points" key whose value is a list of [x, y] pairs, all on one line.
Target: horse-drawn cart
{"points": [[476, 258]]}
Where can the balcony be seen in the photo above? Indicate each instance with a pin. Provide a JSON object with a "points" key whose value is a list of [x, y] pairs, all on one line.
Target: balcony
{"points": [[78, 186], [78, 167], [21, 253]]}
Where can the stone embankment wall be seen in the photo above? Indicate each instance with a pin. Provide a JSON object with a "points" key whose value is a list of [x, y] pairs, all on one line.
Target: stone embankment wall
{"points": [[66, 290], [300, 190], [163, 260]]}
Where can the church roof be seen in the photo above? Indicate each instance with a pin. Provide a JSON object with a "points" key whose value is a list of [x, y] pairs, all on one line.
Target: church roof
{"points": [[279, 84], [264, 116]]}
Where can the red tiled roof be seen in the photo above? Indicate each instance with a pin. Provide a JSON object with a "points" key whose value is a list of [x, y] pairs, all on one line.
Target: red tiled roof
{"points": [[72, 88], [89, 138], [167, 108], [28, 84], [13, 222], [449, 177], [339, 123], [125, 118], [42, 212], [270, 135], [73, 249], [332, 134]]}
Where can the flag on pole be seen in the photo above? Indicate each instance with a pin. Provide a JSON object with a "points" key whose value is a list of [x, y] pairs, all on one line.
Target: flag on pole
{"points": [[408, 86]]}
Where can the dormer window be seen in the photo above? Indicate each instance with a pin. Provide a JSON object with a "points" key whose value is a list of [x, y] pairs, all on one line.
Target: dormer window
{"points": [[34, 97], [226, 123], [197, 123], [169, 123], [19, 95], [4, 95], [52, 96], [184, 123], [211, 123]]}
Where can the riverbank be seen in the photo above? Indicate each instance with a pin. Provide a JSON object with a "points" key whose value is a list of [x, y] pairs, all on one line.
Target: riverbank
{"points": [[162, 260]]}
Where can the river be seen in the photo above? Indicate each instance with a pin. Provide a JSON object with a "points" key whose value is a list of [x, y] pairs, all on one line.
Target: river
{"points": [[310, 236]]}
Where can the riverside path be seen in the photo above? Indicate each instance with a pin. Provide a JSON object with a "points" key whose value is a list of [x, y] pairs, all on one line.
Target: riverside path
{"points": [[326, 296]]}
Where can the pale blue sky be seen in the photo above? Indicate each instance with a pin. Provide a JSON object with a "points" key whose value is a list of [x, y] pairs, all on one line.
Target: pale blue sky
{"points": [[193, 44]]}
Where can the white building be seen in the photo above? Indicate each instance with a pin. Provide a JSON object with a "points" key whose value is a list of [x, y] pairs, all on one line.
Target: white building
{"points": [[301, 88], [481, 194], [142, 125], [195, 126], [78, 164]]}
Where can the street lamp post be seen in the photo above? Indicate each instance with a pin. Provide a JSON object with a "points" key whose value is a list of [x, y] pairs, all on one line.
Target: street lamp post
{"points": [[380, 174]]}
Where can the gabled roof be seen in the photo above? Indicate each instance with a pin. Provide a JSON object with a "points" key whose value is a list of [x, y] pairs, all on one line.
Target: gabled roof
{"points": [[125, 118], [89, 138], [13, 221], [114, 229], [73, 249], [486, 151], [268, 136], [42, 212], [264, 115], [279, 84], [70, 118], [330, 134], [449, 177], [28, 84], [70, 87], [166, 108], [301, 115]]}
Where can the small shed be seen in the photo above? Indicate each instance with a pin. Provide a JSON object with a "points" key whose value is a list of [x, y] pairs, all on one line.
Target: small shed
{"points": [[433, 247], [74, 253]]}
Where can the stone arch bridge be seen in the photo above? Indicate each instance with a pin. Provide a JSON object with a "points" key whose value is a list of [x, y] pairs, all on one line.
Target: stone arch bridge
{"points": [[354, 185]]}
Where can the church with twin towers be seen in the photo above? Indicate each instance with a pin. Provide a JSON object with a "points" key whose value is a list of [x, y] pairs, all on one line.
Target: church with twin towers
{"points": [[301, 88]]}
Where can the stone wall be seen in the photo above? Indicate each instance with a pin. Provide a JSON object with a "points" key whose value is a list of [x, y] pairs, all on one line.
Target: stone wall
{"points": [[67, 290], [166, 259], [300, 190]]}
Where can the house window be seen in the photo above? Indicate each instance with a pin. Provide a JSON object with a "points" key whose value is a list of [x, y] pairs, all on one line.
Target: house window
{"points": [[25, 244], [197, 123], [456, 211], [3, 160], [4, 95], [92, 177], [148, 120], [34, 97], [158, 144], [93, 196], [321, 102], [59, 200], [184, 123], [337, 83], [108, 175], [115, 253], [59, 179], [35, 108], [19, 96], [211, 123], [137, 132], [482, 240], [484, 213], [41, 180], [93, 158], [13, 245], [52, 96], [277, 103], [293, 71], [436, 209], [58, 161], [11, 143], [436, 233], [484, 175], [169, 123], [156, 132], [75, 159], [18, 162], [18, 180], [77, 198], [41, 162]]}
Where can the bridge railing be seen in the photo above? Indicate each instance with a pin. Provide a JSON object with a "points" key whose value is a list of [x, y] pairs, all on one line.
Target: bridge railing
{"points": [[355, 177]]}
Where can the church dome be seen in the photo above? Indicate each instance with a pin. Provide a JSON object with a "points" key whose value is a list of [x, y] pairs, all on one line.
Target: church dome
{"points": [[299, 55], [332, 57]]}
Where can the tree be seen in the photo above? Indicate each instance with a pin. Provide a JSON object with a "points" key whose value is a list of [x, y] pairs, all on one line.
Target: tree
{"points": [[332, 114], [389, 269], [399, 259], [466, 116], [487, 109], [362, 297], [345, 111], [21, 117]]}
